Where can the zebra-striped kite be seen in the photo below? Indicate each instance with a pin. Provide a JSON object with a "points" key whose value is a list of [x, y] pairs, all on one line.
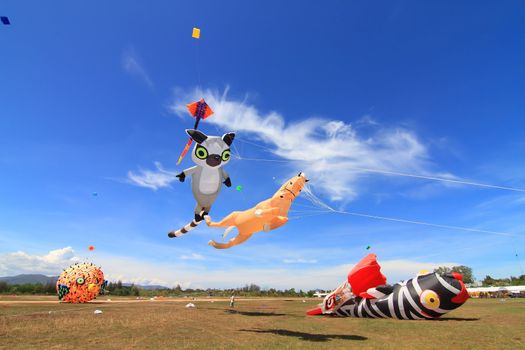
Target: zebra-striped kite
{"points": [[366, 294]]}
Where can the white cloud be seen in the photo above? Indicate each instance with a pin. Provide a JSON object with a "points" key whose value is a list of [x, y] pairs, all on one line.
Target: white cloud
{"points": [[331, 152], [131, 64], [192, 256], [151, 178], [197, 276], [50, 264], [300, 261]]}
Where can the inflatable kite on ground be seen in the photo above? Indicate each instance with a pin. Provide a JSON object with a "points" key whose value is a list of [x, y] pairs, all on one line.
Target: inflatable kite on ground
{"points": [[265, 216], [210, 154], [365, 294], [80, 283]]}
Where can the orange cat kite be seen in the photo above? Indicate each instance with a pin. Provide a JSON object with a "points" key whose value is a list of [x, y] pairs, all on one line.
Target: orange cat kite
{"points": [[265, 216]]}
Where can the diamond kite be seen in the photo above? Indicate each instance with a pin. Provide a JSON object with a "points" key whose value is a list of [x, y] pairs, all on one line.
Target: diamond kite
{"points": [[196, 33], [199, 110]]}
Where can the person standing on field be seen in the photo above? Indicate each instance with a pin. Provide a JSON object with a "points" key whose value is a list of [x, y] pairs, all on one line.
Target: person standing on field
{"points": [[232, 301]]}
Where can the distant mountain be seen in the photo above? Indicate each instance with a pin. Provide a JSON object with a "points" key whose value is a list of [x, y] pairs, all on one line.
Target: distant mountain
{"points": [[152, 287], [29, 278]]}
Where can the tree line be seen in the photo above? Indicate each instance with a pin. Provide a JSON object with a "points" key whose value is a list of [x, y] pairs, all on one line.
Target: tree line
{"points": [[249, 290], [468, 277], [118, 289], [28, 288]]}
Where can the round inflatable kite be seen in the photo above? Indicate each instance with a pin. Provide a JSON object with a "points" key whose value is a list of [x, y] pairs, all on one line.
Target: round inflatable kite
{"points": [[80, 283]]}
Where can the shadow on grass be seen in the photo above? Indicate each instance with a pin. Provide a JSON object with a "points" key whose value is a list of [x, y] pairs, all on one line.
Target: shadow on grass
{"points": [[306, 336], [456, 319], [253, 313]]}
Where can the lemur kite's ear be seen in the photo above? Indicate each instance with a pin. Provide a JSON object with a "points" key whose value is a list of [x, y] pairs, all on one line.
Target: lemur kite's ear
{"points": [[196, 135], [228, 138]]}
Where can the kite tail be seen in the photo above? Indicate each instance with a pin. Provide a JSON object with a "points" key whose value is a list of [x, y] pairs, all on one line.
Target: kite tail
{"points": [[194, 223]]}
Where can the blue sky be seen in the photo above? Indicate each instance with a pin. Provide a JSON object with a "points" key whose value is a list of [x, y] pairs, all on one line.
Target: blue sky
{"points": [[92, 100]]}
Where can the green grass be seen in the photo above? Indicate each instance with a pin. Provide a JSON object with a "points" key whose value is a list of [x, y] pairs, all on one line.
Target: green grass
{"points": [[253, 324]]}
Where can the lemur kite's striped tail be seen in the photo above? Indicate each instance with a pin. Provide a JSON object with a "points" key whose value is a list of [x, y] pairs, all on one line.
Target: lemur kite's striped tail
{"points": [[194, 223]]}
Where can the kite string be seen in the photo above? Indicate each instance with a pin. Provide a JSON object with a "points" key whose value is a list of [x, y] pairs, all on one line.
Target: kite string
{"points": [[307, 215], [450, 227], [316, 201], [308, 195], [197, 62], [385, 172], [257, 145], [197, 46], [305, 206]]}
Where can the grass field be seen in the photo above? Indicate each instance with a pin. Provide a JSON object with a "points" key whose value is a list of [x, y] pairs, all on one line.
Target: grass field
{"points": [[43, 323]]}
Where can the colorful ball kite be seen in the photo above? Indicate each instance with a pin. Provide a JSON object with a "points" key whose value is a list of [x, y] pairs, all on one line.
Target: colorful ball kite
{"points": [[80, 283]]}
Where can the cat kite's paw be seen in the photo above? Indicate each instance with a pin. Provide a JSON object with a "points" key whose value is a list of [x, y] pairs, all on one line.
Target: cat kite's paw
{"points": [[266, 227], [258, 213], [211, 242], [207, 219]]}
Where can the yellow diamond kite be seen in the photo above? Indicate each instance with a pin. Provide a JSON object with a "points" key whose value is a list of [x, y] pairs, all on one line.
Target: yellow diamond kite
{"points": [[196, 33]]}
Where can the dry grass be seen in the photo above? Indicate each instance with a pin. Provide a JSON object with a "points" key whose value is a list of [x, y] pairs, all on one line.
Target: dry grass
{"points": [[253, 324]]}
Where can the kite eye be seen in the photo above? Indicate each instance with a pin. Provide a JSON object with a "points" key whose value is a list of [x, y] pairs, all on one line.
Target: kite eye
{"points": [[330, 302], [429, 299], [81, 280], [225, 155], [201, 152]]}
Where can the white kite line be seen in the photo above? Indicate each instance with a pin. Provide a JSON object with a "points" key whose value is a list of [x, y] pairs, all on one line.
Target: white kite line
{"points": [[309, 195], [396, 173]]}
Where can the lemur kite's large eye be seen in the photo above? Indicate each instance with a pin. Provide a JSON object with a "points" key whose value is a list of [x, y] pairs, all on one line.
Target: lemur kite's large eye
{"points": [[429, 299], [225, 155], [201, 152]]}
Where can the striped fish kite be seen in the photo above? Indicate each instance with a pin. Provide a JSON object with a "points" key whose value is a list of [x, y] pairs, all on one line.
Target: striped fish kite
{"points": [[366, 294]]}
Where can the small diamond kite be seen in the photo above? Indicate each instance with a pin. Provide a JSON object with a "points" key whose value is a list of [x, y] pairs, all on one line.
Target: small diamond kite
{"points": [[196, 33]]}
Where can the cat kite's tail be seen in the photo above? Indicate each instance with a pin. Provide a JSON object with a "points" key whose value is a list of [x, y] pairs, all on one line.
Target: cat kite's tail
{"points": [[194, 223]]}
